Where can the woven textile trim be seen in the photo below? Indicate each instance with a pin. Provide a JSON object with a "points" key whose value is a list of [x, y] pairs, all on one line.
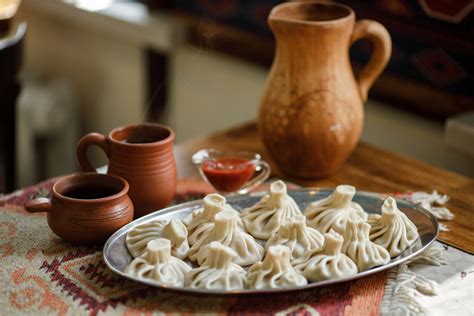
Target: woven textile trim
{"points": [[43, 275]]}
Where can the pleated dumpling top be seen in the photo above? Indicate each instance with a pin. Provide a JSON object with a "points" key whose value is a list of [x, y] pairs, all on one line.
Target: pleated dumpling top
{"points": [[177, 234], [226, 230], [265, 218], [218, 272], [174, 230], [202, 220], [297, 236], [358, 246], [334, 211], [392, 230], [327, 262], [275, 271], [158, 265]]}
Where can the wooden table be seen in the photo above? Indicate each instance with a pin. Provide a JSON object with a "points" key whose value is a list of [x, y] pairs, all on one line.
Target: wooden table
{"points": [[369, 168]]}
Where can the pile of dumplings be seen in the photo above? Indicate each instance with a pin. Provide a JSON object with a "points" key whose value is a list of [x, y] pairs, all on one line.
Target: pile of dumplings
{"points": [[269, 245]]}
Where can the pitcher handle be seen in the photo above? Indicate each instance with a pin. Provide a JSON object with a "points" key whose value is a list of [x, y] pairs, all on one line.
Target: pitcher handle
{"points": [[84, 143], [379, 36]]}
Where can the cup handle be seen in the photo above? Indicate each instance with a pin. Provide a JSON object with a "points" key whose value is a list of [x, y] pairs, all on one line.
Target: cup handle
{"points": [[38, 205], [259, 179], [84, 143], [379, 36]]}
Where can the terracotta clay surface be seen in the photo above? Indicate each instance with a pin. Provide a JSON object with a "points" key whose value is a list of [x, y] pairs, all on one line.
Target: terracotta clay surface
{"points": [[86, 220], [141, 154], [311, 111]]}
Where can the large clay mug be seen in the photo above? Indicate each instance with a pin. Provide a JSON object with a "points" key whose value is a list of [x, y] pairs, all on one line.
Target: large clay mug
{"points": [[143, 155], [86, 207], [311, 112]]}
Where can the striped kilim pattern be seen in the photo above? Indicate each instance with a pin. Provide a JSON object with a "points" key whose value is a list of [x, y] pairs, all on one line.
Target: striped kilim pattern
{"points": [[42, 275]]}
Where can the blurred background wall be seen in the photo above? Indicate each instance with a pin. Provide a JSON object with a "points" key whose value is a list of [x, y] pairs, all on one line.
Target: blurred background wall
{"points": [[105, 64]]}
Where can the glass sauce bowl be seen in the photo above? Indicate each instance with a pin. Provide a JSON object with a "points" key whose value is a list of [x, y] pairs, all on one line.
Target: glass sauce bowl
{"points": [[231, 172]]}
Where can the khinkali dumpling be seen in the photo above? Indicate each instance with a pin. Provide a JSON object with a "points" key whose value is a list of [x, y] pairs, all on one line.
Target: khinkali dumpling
{"points": [[227, 231], [218, 272], [275, 271], [334, 211], [157, 264], [137, 238], [360, 249], [297, 236], [265, 218], [174, 230], [393, 229], [202, 220], [177, 234], [327, 262]]}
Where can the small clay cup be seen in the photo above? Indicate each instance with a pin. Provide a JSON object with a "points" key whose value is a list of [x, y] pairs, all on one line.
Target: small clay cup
{"points": [[143, 155], [86, 207]]}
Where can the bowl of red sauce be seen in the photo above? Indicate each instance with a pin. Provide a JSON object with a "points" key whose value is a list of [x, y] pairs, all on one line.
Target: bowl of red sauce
{"points": [[231, 172]]}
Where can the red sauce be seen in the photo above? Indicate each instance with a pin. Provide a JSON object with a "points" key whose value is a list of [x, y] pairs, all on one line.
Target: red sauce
{"points": [[228, 174]]}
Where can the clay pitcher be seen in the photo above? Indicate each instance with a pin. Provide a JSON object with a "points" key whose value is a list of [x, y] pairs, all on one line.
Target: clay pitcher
{"points": [[311, 112], [143, 155]]}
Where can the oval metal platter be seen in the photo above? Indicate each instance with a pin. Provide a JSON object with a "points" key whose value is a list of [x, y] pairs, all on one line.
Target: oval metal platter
{"points": [[117, 257]]}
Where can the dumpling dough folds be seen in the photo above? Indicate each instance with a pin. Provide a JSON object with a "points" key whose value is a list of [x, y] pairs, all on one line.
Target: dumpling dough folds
{"points": [[297, 236], [275, 271], [334, 211], [392, 230], [137, 238], [177, 234], [218, 272], [174, 230], [202, 220], [227, 231], [265, 218], [360, 249], [328, 262], [157, 264]]}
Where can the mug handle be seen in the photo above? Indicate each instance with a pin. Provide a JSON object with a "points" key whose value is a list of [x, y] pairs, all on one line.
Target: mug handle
{"points": [[84, 143], [259, 179], [38, 205], [379, 36]]}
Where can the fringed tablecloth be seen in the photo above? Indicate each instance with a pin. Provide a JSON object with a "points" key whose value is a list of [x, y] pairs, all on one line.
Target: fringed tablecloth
{"points": [[42, 275]]}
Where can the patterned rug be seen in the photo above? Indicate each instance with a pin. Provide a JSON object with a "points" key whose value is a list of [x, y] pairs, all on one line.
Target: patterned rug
{"points": [[42, 275]]}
